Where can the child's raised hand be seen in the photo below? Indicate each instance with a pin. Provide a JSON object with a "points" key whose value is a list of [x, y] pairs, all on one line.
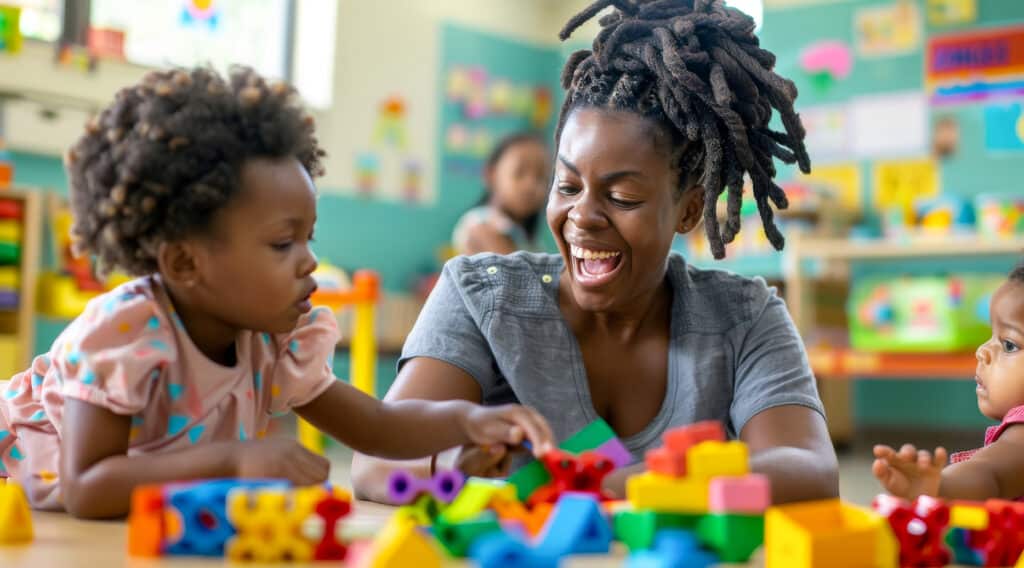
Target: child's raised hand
{"points": [[909, 472], [279, 458], [508, 425]]}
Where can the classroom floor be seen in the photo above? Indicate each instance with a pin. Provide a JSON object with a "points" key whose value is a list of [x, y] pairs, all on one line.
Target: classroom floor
{"points": [[856, 484]]}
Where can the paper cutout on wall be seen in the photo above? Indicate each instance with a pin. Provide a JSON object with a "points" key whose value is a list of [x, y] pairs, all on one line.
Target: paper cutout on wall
{"points": [[843, 181], [412, 174], [389, 129], [367, 173], [10, 29], [888, 125], [898, 183], [951, 12], [480, 95], [200, 13], [1004, 127], [828, 132], [945, 136], [889, 29], [826, 62], [975, 66]]}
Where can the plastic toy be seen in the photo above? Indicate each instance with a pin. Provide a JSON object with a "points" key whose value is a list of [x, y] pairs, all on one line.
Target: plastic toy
{"points": [[401, 545], [458, 537], [277, 524], [15, 518], [918, 528], [499, 550], [476, 495], [579, 474], [710, 459], [733, 537], [827, 533], [424, 510], [146, 522], [999, 215], [750, 494], [404, 487], [197, 523], [636, 529], [667, 494], [576, 526], [682, 438], [946, 215], [673, 549]]}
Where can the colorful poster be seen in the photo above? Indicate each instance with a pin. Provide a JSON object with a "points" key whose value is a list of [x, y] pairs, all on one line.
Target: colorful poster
{"points": [[952, 12], [889, 29], [10, 29], [843, 181], [1004, 127], [894, 124], [828, 132], [974, 66], [897, 183]]}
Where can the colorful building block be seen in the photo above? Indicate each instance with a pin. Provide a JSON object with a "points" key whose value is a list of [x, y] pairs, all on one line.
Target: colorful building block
{"points": [[15, 518], [197, 523], [666, 494], [146, 522], [679, 440], [584, 473], [918, 528], [404, 487], [972, 516], [1002, 542], [499, 550], [457, 538], [636, 529], [710, 459], [576, 526], [476, 496], [400, 544], [597, 436], [750, 494], [829, 534], [283, 524], [958, 541], [733, 537], [666, 462], [424, 510], [673, 549]]}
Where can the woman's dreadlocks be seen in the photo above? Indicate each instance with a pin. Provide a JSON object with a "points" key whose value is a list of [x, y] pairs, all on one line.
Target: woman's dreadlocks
{"points": [[695, 67]]}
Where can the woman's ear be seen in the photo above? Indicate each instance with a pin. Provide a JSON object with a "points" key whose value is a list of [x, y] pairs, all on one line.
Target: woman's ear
{"points": [[692, 209]]}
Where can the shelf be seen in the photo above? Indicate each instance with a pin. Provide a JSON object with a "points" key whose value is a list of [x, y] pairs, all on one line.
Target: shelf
{"points": [[933, 247], [846, 364], [390, 347]]}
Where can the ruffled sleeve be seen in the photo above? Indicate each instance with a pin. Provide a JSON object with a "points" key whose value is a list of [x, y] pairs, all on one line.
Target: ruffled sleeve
{"points": [[304, 366]]}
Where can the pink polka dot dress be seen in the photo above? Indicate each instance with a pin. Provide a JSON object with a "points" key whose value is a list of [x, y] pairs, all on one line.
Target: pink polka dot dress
{"points": [[129, 354]]}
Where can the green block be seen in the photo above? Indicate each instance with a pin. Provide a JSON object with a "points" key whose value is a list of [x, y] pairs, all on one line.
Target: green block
{"points": [[733, 537], [458, 537], [9, 253], [474, 498], [424, 510], [636, 529], [532, 476]]}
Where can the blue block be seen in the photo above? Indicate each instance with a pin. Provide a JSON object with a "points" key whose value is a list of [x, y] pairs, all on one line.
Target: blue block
{"points": [[577, 526], [673, 549], [499, 550], [202, 509]]}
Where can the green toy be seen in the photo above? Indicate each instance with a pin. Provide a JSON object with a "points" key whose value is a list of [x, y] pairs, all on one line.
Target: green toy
{"points": [[636, 529], [458, 537], [733, 537]]}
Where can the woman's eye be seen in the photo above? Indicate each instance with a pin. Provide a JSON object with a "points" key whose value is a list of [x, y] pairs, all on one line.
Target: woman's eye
{"points": [[625, 203], [1009, 346], [568, 190]]}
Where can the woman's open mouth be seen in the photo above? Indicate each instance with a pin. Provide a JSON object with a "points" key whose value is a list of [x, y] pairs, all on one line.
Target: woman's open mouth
{"points": [[593, 268]]}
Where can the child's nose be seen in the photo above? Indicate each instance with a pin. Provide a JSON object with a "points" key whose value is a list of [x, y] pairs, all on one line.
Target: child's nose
{"points": [[983, 354]]}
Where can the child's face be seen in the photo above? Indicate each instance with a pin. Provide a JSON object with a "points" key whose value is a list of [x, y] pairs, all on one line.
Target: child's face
{"points": [[1000, 372], [615, 192], [519, 180], [257, 269]]}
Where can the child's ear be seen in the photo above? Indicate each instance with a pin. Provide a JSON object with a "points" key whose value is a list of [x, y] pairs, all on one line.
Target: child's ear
{"points": [[692, 210], [178, 263]]}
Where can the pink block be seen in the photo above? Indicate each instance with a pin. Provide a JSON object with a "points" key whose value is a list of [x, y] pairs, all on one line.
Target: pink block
{"points": [[748, 494]]}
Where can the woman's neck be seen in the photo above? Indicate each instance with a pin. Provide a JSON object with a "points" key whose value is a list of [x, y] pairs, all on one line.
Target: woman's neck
{"points": [[647, 311]]}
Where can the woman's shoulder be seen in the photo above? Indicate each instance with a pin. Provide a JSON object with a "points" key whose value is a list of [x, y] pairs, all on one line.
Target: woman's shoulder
{"points": [[718, 300], [499, 280]]}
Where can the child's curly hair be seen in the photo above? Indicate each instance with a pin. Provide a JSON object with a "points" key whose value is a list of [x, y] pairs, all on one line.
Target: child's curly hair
{"points": [[157, 164]]}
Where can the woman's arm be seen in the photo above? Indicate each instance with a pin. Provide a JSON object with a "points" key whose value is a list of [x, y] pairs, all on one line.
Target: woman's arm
{"points": [[790, 444], [97, 477]]}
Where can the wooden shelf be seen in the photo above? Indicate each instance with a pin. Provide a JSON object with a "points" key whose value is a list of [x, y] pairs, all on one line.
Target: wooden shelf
{"points": [[919, 247], [846, 364]]}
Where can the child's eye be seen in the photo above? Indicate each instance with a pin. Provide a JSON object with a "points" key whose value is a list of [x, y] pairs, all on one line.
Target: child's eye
{"points": [[1010, 347], [281, 246]]}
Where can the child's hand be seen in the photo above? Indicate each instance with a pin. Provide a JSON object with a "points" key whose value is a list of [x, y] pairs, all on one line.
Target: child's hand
{"points": [[279, 458], [909, 472], [508, 425]]}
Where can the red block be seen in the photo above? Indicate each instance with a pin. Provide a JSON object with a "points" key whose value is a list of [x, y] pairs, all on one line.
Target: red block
{"points": [[680, 439], [666, 462]]}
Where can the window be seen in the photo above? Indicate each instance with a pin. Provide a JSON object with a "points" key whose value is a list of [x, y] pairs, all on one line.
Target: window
{"points": [[40, 19], [753, 8]]}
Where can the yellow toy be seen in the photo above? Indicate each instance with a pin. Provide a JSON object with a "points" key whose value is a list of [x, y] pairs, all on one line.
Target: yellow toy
{"points": [[667, 494], [15, 518], [363, 296], [273, 527], [477, 496], [971, 517], [712, 459], [827, 534], [401, 545]]}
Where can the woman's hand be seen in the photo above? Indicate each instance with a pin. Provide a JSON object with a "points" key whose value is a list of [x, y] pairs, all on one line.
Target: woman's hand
{"points": [[494, 460], [909, 472]]}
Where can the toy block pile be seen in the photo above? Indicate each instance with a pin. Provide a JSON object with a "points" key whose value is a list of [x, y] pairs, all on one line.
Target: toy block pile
{"points": [[243, 520], [10, 251], [15, 518], [827, 534]]}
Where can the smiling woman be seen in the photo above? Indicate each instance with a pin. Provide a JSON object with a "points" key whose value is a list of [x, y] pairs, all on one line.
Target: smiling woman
{"points": [[668, 111]]}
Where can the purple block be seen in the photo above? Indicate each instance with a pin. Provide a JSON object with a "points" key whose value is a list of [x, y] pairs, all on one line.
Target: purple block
{"points": [[8, 299], [616, 451]]}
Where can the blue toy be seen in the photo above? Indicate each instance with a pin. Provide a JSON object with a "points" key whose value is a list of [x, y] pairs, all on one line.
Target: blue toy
{"points": [[673, 548], [499, 550], [577, 526], [202, 513]]}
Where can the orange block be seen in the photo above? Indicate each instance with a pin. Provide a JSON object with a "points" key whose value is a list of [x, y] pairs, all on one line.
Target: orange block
{"points": [[537, 518], [666, 462], [680, 439], [146, 522]]}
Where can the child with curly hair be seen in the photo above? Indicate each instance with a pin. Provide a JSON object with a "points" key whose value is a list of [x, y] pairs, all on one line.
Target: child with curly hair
{"points": [[201, 187]]}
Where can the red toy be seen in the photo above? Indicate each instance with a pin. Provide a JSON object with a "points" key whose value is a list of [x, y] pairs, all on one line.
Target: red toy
{"points": [[919, 528], [584, 473]]}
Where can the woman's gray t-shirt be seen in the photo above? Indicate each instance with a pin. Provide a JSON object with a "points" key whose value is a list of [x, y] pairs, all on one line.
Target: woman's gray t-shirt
{"points": [[733, 350]]}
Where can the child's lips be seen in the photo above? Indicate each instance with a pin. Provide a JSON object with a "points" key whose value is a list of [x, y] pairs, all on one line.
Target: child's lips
{"points": [[980, 389]]}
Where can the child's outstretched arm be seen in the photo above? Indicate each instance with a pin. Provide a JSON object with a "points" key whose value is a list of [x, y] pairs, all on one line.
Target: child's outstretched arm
{"points": [[409, 429], [97, 476], [994, 472]]}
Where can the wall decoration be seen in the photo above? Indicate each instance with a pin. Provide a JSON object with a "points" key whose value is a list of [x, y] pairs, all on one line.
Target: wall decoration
{"points": [[367, 170], [975, 66], [412, 182], [390, 127], [945, 136], [888, 29], [1004, 127], [890, 124], [952, 12], [828, 131], [10, 29], [826, 62], [200, 13], [898, 183], [843, 181]]}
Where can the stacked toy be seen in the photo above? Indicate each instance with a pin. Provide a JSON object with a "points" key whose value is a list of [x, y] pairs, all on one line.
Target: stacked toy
{"points": [[10, 251], [15, 518]]}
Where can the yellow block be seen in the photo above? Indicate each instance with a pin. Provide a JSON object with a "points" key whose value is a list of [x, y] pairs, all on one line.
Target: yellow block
{"points": [[828, 534], [9, 277], [667, 494], [710, 459], [475, 497], [10, 231], [401, 545], [274, 524], [15, 518], [968, 517]]}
